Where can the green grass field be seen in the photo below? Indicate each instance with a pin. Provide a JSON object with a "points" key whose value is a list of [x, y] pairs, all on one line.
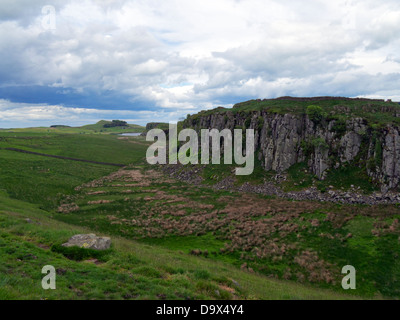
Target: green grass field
{"points": [[172, 240], [301, 241], [131, 270], [43, 180]]}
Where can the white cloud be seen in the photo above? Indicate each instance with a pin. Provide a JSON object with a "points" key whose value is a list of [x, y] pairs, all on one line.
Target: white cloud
{"points": [[15, 115], [187, 55]]}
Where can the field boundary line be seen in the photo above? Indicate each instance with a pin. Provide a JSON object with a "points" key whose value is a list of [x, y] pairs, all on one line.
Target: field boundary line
{"points": [[65, 158]]}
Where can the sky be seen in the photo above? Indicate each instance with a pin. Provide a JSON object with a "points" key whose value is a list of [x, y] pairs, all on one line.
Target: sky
{"points": [[76, 62]]}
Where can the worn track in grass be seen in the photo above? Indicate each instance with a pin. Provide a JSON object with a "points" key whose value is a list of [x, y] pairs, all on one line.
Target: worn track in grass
{"points": [[65, 158]]}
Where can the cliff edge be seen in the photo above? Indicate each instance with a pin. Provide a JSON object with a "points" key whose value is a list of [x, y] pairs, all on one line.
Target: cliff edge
{"points": [[326, 133]]}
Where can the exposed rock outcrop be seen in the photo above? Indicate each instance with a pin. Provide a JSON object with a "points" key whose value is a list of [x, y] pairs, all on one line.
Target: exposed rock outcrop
{"points": [[282, 140], [89, 241]]}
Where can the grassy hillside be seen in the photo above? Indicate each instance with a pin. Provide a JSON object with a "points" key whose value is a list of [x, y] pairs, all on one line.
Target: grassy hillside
{"points": [[130, 270], [172, 239], [45, 180], [99, 127], [303, 241], [105, 148]]}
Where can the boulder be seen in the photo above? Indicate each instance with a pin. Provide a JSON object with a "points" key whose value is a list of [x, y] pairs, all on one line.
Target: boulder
{"points": [[89, 241]]}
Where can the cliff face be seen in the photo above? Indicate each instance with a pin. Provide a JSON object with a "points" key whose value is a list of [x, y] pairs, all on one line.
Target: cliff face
{"points": [[155, 125], [282, 140]]}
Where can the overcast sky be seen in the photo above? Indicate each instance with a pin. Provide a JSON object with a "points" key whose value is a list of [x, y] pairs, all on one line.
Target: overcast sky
{"points": [[76, 62]]}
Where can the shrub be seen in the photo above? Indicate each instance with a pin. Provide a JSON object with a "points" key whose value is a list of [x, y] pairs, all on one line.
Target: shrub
{"points": [[320, 143], [339, 127], [306, 147], [315, 113], [116, 123]]}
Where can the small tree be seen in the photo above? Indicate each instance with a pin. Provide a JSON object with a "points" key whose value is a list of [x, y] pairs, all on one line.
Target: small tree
{"points": [[315, 113], [116, 123]]}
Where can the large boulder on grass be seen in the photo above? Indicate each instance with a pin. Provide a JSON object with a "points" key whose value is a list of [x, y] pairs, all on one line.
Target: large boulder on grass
{"points": [[89, 241]]}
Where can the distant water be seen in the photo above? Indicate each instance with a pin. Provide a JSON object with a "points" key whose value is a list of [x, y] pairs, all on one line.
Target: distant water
{"points": [[130, 134]]}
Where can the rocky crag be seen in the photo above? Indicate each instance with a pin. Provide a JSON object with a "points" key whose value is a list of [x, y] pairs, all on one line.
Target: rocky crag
{"points": [[340, 136], [155, 125]]}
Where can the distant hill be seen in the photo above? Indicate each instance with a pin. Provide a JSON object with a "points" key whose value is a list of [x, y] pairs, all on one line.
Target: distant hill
{"points": [[103, 126], [108, 126]]}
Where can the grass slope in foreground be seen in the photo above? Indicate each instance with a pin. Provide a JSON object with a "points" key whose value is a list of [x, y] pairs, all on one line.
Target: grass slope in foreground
{"points": [[130, 270], [303, 241]]}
